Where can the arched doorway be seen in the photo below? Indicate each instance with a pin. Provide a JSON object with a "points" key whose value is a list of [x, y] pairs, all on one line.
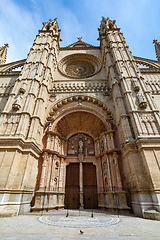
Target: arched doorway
{"points": [[81, 179], [80, 152]]}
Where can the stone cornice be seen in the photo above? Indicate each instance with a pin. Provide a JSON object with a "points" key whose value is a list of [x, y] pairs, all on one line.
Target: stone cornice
{"points": [[109, 151], [49, 151], [15, 143], [141, 143]]}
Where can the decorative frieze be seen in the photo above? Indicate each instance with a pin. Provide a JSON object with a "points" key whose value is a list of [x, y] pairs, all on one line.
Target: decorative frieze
{"points": [[12, 119], [152, 82], [72, 87], [148, 123], [10, 124]]}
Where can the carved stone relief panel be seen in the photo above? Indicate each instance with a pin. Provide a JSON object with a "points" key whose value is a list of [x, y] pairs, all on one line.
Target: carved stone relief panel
{"points": [[10, 124], [74, 145], [148, 124]]}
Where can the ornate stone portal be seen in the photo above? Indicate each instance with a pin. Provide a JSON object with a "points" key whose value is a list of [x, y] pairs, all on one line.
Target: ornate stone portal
{"points": [[56, 188]]}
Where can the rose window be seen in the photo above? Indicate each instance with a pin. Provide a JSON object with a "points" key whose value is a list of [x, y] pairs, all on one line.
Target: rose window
{"points": [[79, 65]]}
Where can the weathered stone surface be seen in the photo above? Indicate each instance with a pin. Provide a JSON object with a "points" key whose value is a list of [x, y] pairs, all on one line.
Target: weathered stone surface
{"points": [[8, 212], [152, 214]]}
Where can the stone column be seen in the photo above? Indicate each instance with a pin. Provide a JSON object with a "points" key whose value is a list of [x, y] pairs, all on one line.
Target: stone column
{"points": [[53, 174], [44, 165], [119, 182], [108, 174], [49, 172], [99, 175], [113, 177], [81, 185], [61, 174], [81, 158]]}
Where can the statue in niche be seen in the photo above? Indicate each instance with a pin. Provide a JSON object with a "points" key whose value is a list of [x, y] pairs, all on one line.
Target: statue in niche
{"points": [[57, 144], [17, 104], [104, 165], [106, 183], [142, 101], [80, 145], [80, 156], [57, 164], [55, 182], [102, 146]]}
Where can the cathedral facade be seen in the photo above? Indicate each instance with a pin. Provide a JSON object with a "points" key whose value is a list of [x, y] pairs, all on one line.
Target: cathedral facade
{"points": [[80, 126]]}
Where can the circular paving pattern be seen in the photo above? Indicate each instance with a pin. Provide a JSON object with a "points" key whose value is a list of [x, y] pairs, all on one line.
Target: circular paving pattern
{"points": [[78, 222]]}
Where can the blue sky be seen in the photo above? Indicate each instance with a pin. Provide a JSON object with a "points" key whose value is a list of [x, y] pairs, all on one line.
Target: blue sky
{"points": [[20, 21]]}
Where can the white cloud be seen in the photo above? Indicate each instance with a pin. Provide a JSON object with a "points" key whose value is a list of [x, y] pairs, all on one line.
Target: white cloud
{"points": [[21, 20], [18, 29]]}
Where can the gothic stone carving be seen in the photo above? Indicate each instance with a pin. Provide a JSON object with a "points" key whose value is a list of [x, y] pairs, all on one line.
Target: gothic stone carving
{"points": [[81, 143], [17, 104]]}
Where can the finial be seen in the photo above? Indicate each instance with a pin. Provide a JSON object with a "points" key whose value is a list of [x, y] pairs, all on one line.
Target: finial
{"points": [[79, 39], [157, 49], [155, 41], [3, 53]]}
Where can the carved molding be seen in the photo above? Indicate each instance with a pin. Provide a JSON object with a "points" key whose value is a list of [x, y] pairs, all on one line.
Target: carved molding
{"points": [[81, 87], [8, 68], [153, 85], [78, 99], [151, 64]]}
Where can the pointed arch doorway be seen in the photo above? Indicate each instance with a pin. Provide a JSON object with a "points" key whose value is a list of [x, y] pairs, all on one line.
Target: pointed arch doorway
{"points": [[81, 180]]}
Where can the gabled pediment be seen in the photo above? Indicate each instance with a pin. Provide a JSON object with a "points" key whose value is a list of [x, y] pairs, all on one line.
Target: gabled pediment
{"points": [[79, 45]]}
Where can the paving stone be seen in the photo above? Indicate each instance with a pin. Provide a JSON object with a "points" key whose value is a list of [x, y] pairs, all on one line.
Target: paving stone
{"points": [[56, 225]]}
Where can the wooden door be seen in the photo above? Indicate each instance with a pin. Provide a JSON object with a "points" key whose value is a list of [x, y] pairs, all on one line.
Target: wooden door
{"points": [[90, 186], [72, 186]]}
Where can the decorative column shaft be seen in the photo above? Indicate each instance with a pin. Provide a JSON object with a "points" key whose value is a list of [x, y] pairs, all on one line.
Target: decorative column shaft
{"points": [[43, 174], [81, 185]]}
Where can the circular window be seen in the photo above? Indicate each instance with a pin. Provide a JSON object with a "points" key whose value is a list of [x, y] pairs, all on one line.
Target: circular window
{"points": [[79, 65]]}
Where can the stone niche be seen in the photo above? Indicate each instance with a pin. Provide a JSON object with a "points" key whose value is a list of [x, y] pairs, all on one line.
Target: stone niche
{"points": [[51, 178]]}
